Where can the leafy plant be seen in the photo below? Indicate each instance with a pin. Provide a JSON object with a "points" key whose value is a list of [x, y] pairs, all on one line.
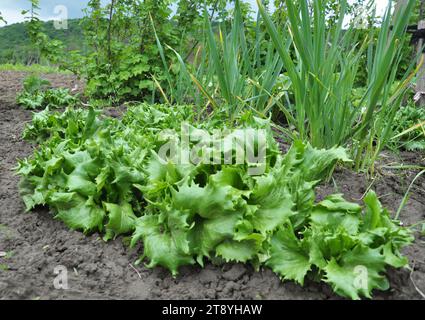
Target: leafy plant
{"points": [[409, 127], [49, 48], [34, 84], [323, 73], [236, 67], [124, 55], [36, 96], [33, 68], [103, 174], [46, 123]]}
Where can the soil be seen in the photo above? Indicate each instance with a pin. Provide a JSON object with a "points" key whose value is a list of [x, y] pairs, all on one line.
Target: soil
{"points": [[35, 244]]}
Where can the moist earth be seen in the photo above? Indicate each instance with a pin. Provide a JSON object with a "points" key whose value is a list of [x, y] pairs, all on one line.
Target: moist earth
{"points": [[35, 244]]}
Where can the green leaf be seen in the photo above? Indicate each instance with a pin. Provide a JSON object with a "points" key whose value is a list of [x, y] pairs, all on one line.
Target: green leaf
{"points": [[336, 202], [317, 162], [334, 212], [208, 201], [287, 257], [102, 178], [357, 273], [316, 255], [245, 231], [393, 257], [239, 251], [207, 234], [29, 194], [273, 214], [159, 246], [178, 224], [274, 203], [85, 216], [373, 211], [79, 183], [121, 220]]}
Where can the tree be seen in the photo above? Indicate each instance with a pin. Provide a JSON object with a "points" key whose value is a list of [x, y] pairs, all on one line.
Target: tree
{"points": [[2, 19], [125, 53], [355, 8]]}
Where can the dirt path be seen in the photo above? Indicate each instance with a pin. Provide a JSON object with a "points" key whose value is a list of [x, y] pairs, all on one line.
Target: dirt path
{"points": [[36, 244]]}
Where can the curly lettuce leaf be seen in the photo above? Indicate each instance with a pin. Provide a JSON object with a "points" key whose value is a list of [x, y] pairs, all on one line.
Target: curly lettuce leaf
{"points": [[288, 258], [357, 272], [158, 245], [121, 220]]}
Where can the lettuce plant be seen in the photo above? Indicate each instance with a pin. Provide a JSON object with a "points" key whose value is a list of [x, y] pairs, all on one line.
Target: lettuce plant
{"points": [[99, 174], [36, 95]]}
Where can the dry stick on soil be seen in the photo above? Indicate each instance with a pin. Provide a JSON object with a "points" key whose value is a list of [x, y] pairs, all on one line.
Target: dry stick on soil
{"points": [[367, 190], [406, 196], [414, 284], [138, 273]]}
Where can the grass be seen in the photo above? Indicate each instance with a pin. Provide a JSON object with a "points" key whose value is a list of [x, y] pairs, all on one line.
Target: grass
{"points": [[323, 72], [4, 267], [406, 195], [238, 68], [235, 69], [9, 254], [35, 68], [5, 230]]}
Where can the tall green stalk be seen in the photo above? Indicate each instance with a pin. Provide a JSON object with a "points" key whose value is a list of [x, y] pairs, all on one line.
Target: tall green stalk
{"points": [[231, 71], [323, 71]]}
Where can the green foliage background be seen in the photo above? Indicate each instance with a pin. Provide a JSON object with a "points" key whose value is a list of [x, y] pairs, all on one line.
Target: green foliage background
{"points": [[16, 48]]}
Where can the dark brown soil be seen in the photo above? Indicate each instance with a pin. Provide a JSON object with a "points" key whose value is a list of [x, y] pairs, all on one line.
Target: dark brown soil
{"points": [[35, 243]]}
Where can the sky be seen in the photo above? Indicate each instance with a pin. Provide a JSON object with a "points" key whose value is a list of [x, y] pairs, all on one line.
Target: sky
{"points": [[11, 9]]}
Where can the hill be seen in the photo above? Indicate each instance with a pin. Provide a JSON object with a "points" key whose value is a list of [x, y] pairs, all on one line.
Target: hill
{"points": [[15, 46]]}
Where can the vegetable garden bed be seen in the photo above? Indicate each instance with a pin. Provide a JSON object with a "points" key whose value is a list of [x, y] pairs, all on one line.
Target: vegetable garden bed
{"points": [[36, 243]]}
